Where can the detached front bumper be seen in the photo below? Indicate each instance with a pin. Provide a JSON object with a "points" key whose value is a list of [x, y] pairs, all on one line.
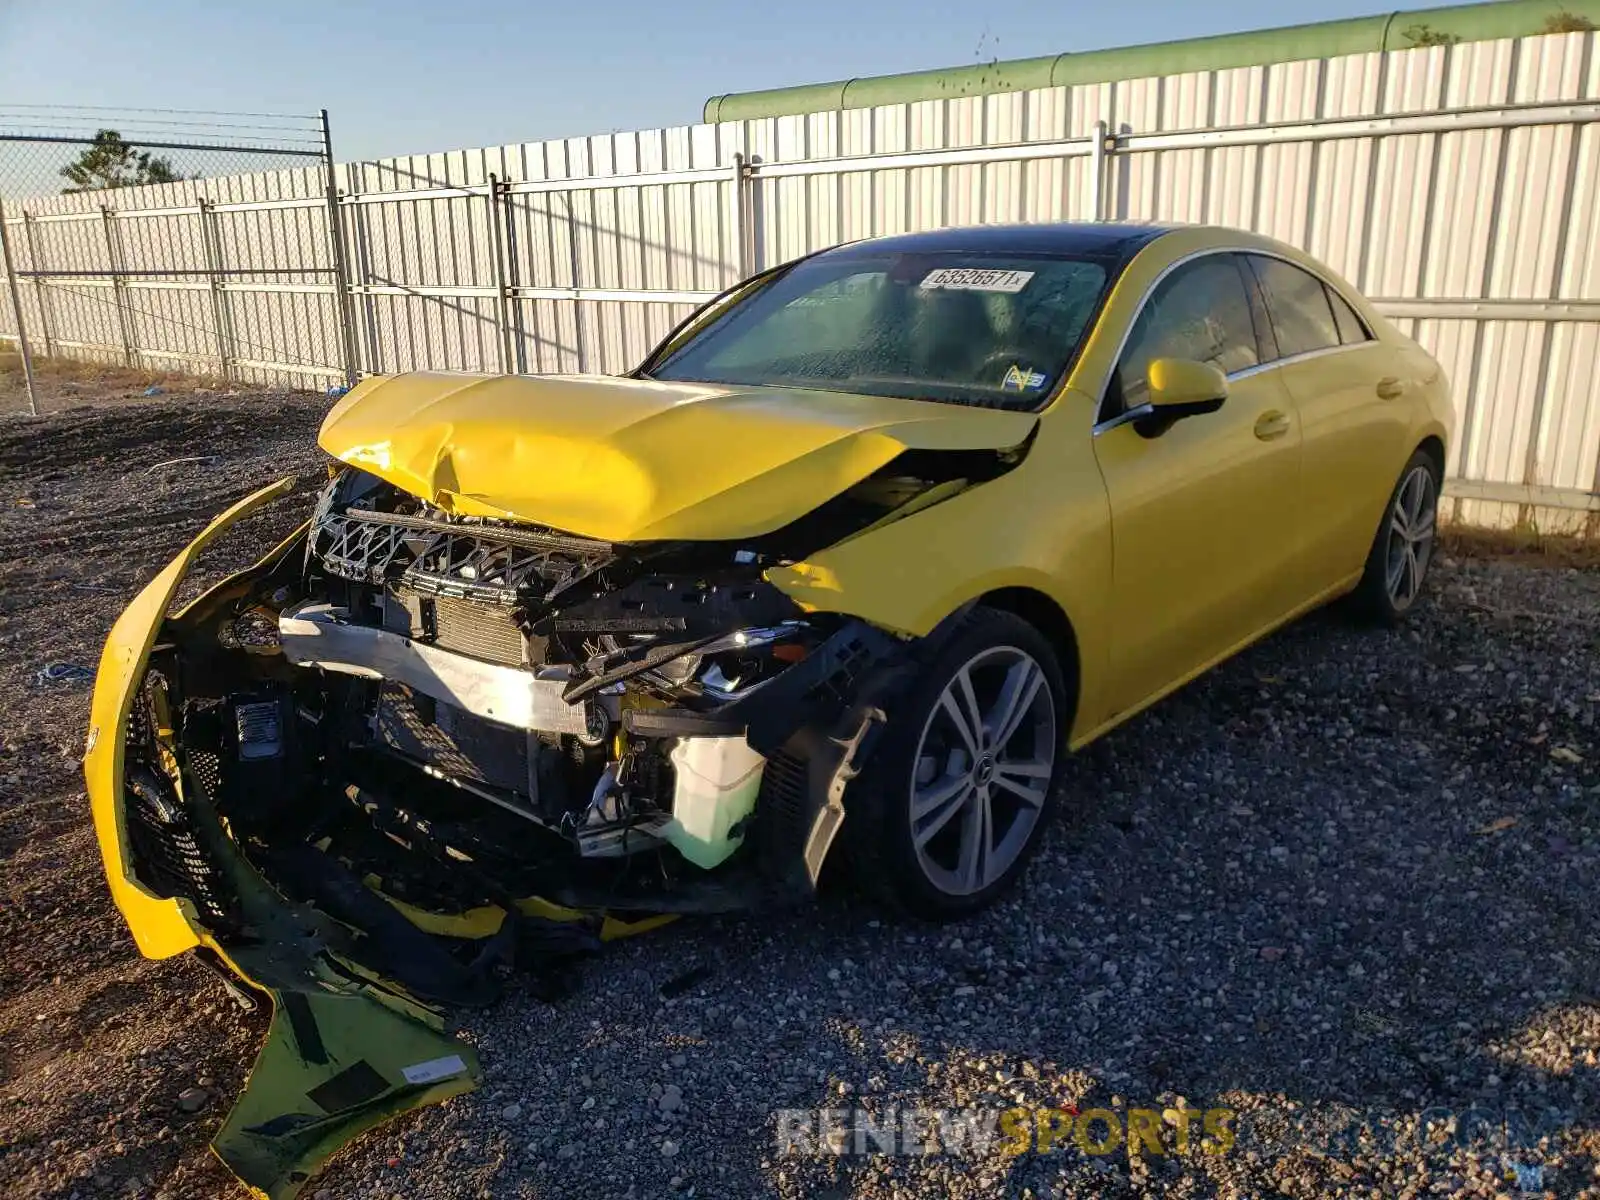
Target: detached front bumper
{"points": [[160, 926], [343, 1052]]}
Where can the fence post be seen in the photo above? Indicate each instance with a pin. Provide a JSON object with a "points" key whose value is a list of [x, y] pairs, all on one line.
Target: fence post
{"points": [[519, 324], [744, 235], [577, 305], [497, 251], [119, 282], [41, 292], [221, 316], [368, 351], [1097, 172], [341, 278], [16, 305]]}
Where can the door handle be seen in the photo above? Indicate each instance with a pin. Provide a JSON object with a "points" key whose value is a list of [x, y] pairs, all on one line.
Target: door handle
{"points": [[1390, 388], [1273, 424]]}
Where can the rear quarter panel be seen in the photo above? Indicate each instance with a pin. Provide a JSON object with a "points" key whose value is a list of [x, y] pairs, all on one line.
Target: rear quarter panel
{"points": [[1429, 411]]}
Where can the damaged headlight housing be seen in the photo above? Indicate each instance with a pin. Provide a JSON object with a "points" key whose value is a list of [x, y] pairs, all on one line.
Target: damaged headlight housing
{"points": [[734, 664], [745, 659]]}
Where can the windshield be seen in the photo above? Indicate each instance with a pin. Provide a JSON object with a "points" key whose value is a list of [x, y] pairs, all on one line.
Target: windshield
{"points": [[995, 330]]}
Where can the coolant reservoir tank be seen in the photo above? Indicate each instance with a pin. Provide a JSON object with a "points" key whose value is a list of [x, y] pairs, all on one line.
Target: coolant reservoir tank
{"points": [[717, 782]]}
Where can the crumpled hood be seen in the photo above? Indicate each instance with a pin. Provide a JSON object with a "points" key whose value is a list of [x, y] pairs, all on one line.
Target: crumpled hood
{"points": [[637, 460]]}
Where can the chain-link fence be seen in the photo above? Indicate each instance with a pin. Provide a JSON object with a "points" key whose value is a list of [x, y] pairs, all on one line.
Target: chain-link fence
{"points": [[136, 234], [47, 148]]}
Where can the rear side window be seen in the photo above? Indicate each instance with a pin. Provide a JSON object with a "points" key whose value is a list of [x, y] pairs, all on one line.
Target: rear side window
{"points": [[1302, 317], [1201, 312], [1351, 330]]}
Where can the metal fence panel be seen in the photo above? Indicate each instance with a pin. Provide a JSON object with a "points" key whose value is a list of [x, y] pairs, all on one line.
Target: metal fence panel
{"points": [[1477, 226]]}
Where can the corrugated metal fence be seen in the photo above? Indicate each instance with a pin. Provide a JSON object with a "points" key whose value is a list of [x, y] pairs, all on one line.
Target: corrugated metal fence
{"points": [[1457, 185]]}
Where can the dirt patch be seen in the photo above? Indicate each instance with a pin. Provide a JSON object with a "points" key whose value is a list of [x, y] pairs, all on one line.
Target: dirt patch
{"points": [[1526, 546], [64, 383], [96, 1044]]}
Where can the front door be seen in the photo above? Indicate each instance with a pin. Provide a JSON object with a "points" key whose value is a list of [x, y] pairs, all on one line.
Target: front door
{"points": [[1205, 528]]}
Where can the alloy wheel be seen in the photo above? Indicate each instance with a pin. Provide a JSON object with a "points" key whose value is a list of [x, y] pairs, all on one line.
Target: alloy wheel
{"points": [[982, 770], [1412, 522]]}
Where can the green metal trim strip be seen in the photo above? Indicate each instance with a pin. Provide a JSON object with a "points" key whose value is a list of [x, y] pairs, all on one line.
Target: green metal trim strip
{"points": [[1325, 39]]}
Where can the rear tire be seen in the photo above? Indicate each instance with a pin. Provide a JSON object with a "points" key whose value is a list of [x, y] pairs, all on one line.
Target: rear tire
{"points": [[1402, 549], [956, 799]]}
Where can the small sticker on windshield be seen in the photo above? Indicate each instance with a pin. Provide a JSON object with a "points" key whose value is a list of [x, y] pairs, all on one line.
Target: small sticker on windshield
{"points": [[975, 279], [1019, 380]]}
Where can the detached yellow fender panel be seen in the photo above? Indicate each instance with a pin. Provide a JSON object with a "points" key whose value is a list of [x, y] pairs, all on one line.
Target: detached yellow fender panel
{"points": [[161, 928]]}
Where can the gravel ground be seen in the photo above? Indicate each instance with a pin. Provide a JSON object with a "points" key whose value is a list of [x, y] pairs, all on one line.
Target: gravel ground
{"points": [[1346, 880]]}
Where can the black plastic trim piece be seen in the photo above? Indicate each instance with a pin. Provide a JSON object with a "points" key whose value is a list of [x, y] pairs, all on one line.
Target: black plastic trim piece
{"points": [[681, 722]]}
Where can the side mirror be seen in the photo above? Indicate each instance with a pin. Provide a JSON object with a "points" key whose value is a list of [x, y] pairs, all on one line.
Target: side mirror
{"points": [[1181, 387], [1177, 388]]}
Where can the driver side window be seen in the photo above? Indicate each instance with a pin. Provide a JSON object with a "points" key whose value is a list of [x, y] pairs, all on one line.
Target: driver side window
{"points": [[1202, 312]]}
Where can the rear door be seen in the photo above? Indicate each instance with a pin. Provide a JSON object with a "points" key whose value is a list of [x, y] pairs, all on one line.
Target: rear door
{"points": [[1347, 389], [1204, 516]]}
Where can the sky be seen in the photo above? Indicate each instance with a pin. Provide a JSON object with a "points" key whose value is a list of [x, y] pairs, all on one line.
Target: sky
{"points": [[410, 76]]}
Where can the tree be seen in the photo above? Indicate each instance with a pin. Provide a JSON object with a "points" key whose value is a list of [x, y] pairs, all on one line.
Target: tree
{"points": [[1562, 21], [1427, 35], [109, 162]]}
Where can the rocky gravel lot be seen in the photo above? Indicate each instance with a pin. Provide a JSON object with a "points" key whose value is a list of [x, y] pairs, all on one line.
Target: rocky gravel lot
{"points": [[1344, 887]]}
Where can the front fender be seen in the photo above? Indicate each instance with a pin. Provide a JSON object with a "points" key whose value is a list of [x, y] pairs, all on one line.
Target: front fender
{"points": [[1044, 526]]}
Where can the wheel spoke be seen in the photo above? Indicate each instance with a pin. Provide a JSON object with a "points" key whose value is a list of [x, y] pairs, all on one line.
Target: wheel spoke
{"points": [[1423, 531], [969, 700], [1413, 496], [972, 869], [958, 712], [933, 806], [1031, 768], [1017, 694], [1399, 525], [1396, 570], [1030, 794]]}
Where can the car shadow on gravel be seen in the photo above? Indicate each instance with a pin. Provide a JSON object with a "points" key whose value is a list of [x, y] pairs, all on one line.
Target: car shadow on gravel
{"points": [[1341, 887]]}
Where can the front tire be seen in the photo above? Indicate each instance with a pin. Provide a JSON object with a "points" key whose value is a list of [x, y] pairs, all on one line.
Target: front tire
{"points": [[955, 802], [1397, 564]]}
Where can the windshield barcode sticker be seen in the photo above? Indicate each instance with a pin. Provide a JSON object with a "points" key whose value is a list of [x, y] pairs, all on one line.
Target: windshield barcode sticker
{"points": [[434, 1069], [976, 279]]}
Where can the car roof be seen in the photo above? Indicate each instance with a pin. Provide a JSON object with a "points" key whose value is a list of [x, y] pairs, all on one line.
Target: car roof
{"points": [[1097, 239]]}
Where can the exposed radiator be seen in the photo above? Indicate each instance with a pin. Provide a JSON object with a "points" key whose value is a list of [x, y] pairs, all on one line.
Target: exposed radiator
{"points": [[483, 631]]}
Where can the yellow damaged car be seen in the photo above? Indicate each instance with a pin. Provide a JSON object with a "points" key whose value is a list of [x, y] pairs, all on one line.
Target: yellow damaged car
{"points": [[845, 568]]}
